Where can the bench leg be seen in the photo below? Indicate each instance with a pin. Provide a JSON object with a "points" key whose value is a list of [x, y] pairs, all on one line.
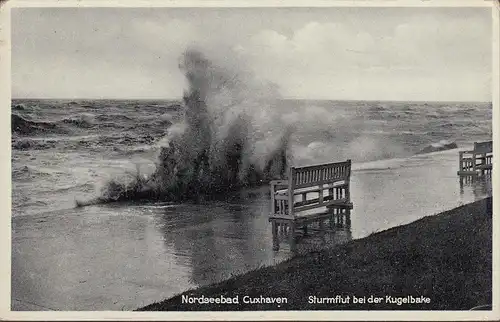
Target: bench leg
{"points": [[305, 230], [291, 237], [348, 219], [276, 244], [331, 222]]}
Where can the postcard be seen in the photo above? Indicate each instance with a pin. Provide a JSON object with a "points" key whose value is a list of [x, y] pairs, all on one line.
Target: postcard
{"points": [[324, 160]]}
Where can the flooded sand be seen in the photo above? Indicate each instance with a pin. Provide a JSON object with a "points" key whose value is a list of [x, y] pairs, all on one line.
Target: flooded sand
{"points": [[124, 256]]}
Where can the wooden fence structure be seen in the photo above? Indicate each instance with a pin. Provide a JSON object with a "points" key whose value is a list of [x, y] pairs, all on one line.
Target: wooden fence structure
{"points": [[311, 195], [477, 161]]}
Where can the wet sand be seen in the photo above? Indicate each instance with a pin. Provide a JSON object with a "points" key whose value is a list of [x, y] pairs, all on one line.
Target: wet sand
{"points": [[121, 257]]}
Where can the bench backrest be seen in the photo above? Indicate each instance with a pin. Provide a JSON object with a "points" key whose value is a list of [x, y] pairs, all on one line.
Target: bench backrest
{"points": [[312, 181], [483, 147], [319, 174], [326, 184]]}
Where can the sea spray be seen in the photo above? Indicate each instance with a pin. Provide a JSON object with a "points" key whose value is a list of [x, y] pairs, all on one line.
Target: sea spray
{"points": [[229, 138]]}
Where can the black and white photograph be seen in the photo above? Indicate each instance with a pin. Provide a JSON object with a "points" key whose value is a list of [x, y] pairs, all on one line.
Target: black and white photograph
{"points": [[252, 158]]}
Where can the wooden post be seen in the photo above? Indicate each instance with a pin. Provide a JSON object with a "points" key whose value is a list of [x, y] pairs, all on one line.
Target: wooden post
{"points": [[460, 161], [292, 236], [276, 244], [348, 218], [322, 226], [483, 164], [291, 185]]}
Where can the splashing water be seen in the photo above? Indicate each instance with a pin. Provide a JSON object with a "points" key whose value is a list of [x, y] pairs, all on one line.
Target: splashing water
{"points": [[230, 137]]}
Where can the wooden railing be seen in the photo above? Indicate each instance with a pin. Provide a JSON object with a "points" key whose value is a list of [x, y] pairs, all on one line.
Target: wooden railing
{"points": [[324, 188]]}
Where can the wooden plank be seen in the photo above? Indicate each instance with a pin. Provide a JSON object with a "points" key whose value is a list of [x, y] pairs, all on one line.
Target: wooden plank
{"points": [[317, 173], [318, 205], [277, 216], [304, 220], [281, 197], [316, 188], [311, 178], [333, 165], [346, 205], [467, 173], [316, 183]]}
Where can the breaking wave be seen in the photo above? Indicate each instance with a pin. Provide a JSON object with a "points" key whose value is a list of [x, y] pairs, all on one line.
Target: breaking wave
{"points": [[29, 144], [230, 137], [83, 121], [439, 146], [23, 126]]}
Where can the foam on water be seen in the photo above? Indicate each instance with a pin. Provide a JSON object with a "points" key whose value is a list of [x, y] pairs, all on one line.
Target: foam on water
{"points": [[229, 137], [128, 134]]}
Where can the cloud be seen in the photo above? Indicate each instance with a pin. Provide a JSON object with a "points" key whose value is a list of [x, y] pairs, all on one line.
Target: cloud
{"points": [[96, 82], [166, 38], [336, 58], [357, 55]]}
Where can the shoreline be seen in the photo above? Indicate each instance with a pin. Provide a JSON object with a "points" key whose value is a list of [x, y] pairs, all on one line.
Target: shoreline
{"points": [[439, 262]]}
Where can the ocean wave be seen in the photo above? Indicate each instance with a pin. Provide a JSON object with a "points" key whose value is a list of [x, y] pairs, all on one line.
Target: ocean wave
{"points": [[167, 107], [378, 165], [80, 121], [377, 108], [83, 186], [439, 146], [125, 139], [28, 172], [23, 126], [19, 107], [113, 117], [131, 150], [29, 144]]}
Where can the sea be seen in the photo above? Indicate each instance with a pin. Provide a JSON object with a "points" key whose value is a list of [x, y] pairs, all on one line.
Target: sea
{"points": [[123, 255]]}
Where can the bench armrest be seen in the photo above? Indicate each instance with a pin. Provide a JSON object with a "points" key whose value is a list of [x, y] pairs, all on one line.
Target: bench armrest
{"points": [[279, 182]]}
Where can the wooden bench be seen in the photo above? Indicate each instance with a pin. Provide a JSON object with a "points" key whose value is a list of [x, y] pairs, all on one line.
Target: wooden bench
{"points": [[312, 194], [478, 161]]}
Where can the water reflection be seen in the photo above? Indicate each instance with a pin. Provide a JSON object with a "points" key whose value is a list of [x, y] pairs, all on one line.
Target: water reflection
{"points": [[479, 186], [220, 239], [129, 255]]}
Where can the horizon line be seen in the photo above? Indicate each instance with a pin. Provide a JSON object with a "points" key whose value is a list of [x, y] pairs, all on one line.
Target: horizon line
{"points": [[284, 98]]}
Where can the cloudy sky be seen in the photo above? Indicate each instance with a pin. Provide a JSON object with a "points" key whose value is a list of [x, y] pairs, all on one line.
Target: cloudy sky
{"points": [[322, 53]]}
